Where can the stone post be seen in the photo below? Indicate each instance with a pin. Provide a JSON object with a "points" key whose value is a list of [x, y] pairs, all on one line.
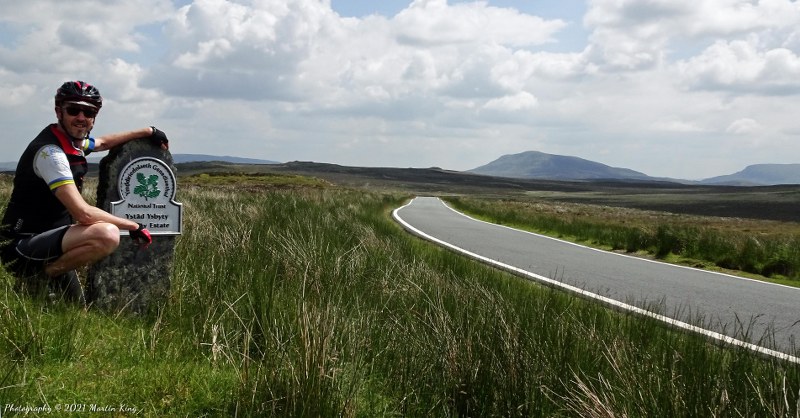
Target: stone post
{"points": [[137, 182]]}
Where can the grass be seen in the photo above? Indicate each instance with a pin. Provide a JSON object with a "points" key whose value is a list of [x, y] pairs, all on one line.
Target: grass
{"points": [[760, 249], [252, 180], [309, 301]]}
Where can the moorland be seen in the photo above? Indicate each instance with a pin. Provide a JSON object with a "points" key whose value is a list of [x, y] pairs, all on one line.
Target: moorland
{"points": [[778, 203], [295, 294]]}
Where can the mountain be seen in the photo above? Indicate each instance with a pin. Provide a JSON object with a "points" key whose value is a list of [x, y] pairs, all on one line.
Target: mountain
{"points": [[190, 158], [538, 165], [760, 175]]}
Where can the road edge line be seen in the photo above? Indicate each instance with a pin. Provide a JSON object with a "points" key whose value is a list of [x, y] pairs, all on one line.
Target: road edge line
{"points": [[590, 295]]}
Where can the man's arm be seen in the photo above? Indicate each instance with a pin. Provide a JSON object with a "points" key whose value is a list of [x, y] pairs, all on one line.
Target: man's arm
{"points": [[109, 141], [86, 214]]}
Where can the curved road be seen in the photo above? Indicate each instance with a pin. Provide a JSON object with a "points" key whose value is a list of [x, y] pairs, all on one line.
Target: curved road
{"points": [[734, 310]]}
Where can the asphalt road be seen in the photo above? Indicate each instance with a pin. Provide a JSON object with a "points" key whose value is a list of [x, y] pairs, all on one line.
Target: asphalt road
{"points": [[749, 311]]}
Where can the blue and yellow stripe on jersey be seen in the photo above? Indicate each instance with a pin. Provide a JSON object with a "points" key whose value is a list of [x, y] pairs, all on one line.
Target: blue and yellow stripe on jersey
{"points": [[60, 182]]}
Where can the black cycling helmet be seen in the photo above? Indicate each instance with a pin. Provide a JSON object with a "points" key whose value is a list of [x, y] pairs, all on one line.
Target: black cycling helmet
{"points": [[79, 92]]}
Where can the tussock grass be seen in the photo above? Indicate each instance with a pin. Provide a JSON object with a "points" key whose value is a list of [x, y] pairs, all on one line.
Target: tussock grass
{"points": [[312, 302]]}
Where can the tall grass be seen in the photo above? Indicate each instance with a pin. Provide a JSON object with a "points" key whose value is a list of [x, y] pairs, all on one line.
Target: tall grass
{"points": [[312, 302], [775, 253]]}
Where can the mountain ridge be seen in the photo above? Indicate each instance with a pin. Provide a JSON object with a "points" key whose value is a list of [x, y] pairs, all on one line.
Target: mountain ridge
{"points": [[190, 158], [539, 165], [535, 164], [760, 175]]}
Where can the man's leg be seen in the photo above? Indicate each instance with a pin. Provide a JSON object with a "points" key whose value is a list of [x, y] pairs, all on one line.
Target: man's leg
{"points": [[69, 287], [83, 245], [28, 258]]}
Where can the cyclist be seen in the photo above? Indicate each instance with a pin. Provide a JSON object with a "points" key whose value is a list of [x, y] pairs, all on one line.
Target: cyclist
{"points": [[48, 228]]}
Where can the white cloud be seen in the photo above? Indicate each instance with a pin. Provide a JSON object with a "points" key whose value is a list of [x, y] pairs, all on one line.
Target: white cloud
{"points": [[742, 66], [15, 95], [123, 84], [516, 71], [434, 22], [305, 52], [692, 18], [220, 48], [744, 126], [439, 83], [513, 103], [678, 126], [70, 36], [640, 34]]}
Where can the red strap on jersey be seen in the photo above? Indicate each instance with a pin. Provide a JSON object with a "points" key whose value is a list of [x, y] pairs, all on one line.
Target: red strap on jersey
{"points": [[66, 143]]}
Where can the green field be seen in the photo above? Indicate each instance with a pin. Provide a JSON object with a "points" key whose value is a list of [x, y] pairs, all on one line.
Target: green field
{"points": [[294, 297]]}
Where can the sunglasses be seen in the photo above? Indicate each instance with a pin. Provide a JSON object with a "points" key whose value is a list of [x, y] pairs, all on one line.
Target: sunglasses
{"points": [[74, 110]]}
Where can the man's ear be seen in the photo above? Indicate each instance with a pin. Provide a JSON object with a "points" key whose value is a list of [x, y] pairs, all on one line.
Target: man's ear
{"points": [[58, 113]]}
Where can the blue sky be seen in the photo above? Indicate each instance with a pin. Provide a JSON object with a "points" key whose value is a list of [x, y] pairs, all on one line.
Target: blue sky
{"points": [[571, 38], [680, 88], [543, 8]]}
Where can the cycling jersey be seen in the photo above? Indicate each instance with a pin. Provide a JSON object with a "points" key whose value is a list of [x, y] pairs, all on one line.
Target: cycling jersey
{"points": [[49, 161]]}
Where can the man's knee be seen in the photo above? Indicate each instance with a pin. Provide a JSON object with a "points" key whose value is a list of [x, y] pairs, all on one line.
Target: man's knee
{"points": [[104, 236]]}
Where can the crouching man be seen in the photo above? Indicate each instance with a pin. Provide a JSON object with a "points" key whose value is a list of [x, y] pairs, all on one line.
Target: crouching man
{"points": [[48, 229]]}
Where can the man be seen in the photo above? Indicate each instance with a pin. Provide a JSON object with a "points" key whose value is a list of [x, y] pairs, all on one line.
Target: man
{"points": [[48, 228]]}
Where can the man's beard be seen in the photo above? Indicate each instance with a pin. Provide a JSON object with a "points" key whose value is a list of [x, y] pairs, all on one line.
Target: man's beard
{"points": [[78, 132]]}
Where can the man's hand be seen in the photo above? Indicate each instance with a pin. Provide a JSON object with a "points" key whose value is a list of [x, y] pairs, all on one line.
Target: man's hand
{"points": [[159, 138], [141, 236]]}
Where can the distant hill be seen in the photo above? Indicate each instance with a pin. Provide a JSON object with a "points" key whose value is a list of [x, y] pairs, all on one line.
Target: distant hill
{"points": [[177, 158], [760, 175], [538, 165], [542, 166], [190, 158]]}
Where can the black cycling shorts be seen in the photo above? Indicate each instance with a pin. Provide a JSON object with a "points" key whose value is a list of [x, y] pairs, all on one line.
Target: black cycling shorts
{"points": [[42, 247]]}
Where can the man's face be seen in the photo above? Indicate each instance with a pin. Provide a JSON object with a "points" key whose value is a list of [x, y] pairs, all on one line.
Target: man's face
{"points": [[76, 119]]}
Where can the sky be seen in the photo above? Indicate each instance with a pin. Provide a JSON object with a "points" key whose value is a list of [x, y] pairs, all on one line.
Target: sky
{"points": [[686, 89]]}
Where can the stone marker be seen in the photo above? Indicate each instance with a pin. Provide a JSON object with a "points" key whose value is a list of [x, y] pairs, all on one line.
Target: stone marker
{"points": [[137, 183]]}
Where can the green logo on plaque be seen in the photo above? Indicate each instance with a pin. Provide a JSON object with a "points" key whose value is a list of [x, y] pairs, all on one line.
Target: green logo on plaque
{"points": [[147, 192], [148, 186]]}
